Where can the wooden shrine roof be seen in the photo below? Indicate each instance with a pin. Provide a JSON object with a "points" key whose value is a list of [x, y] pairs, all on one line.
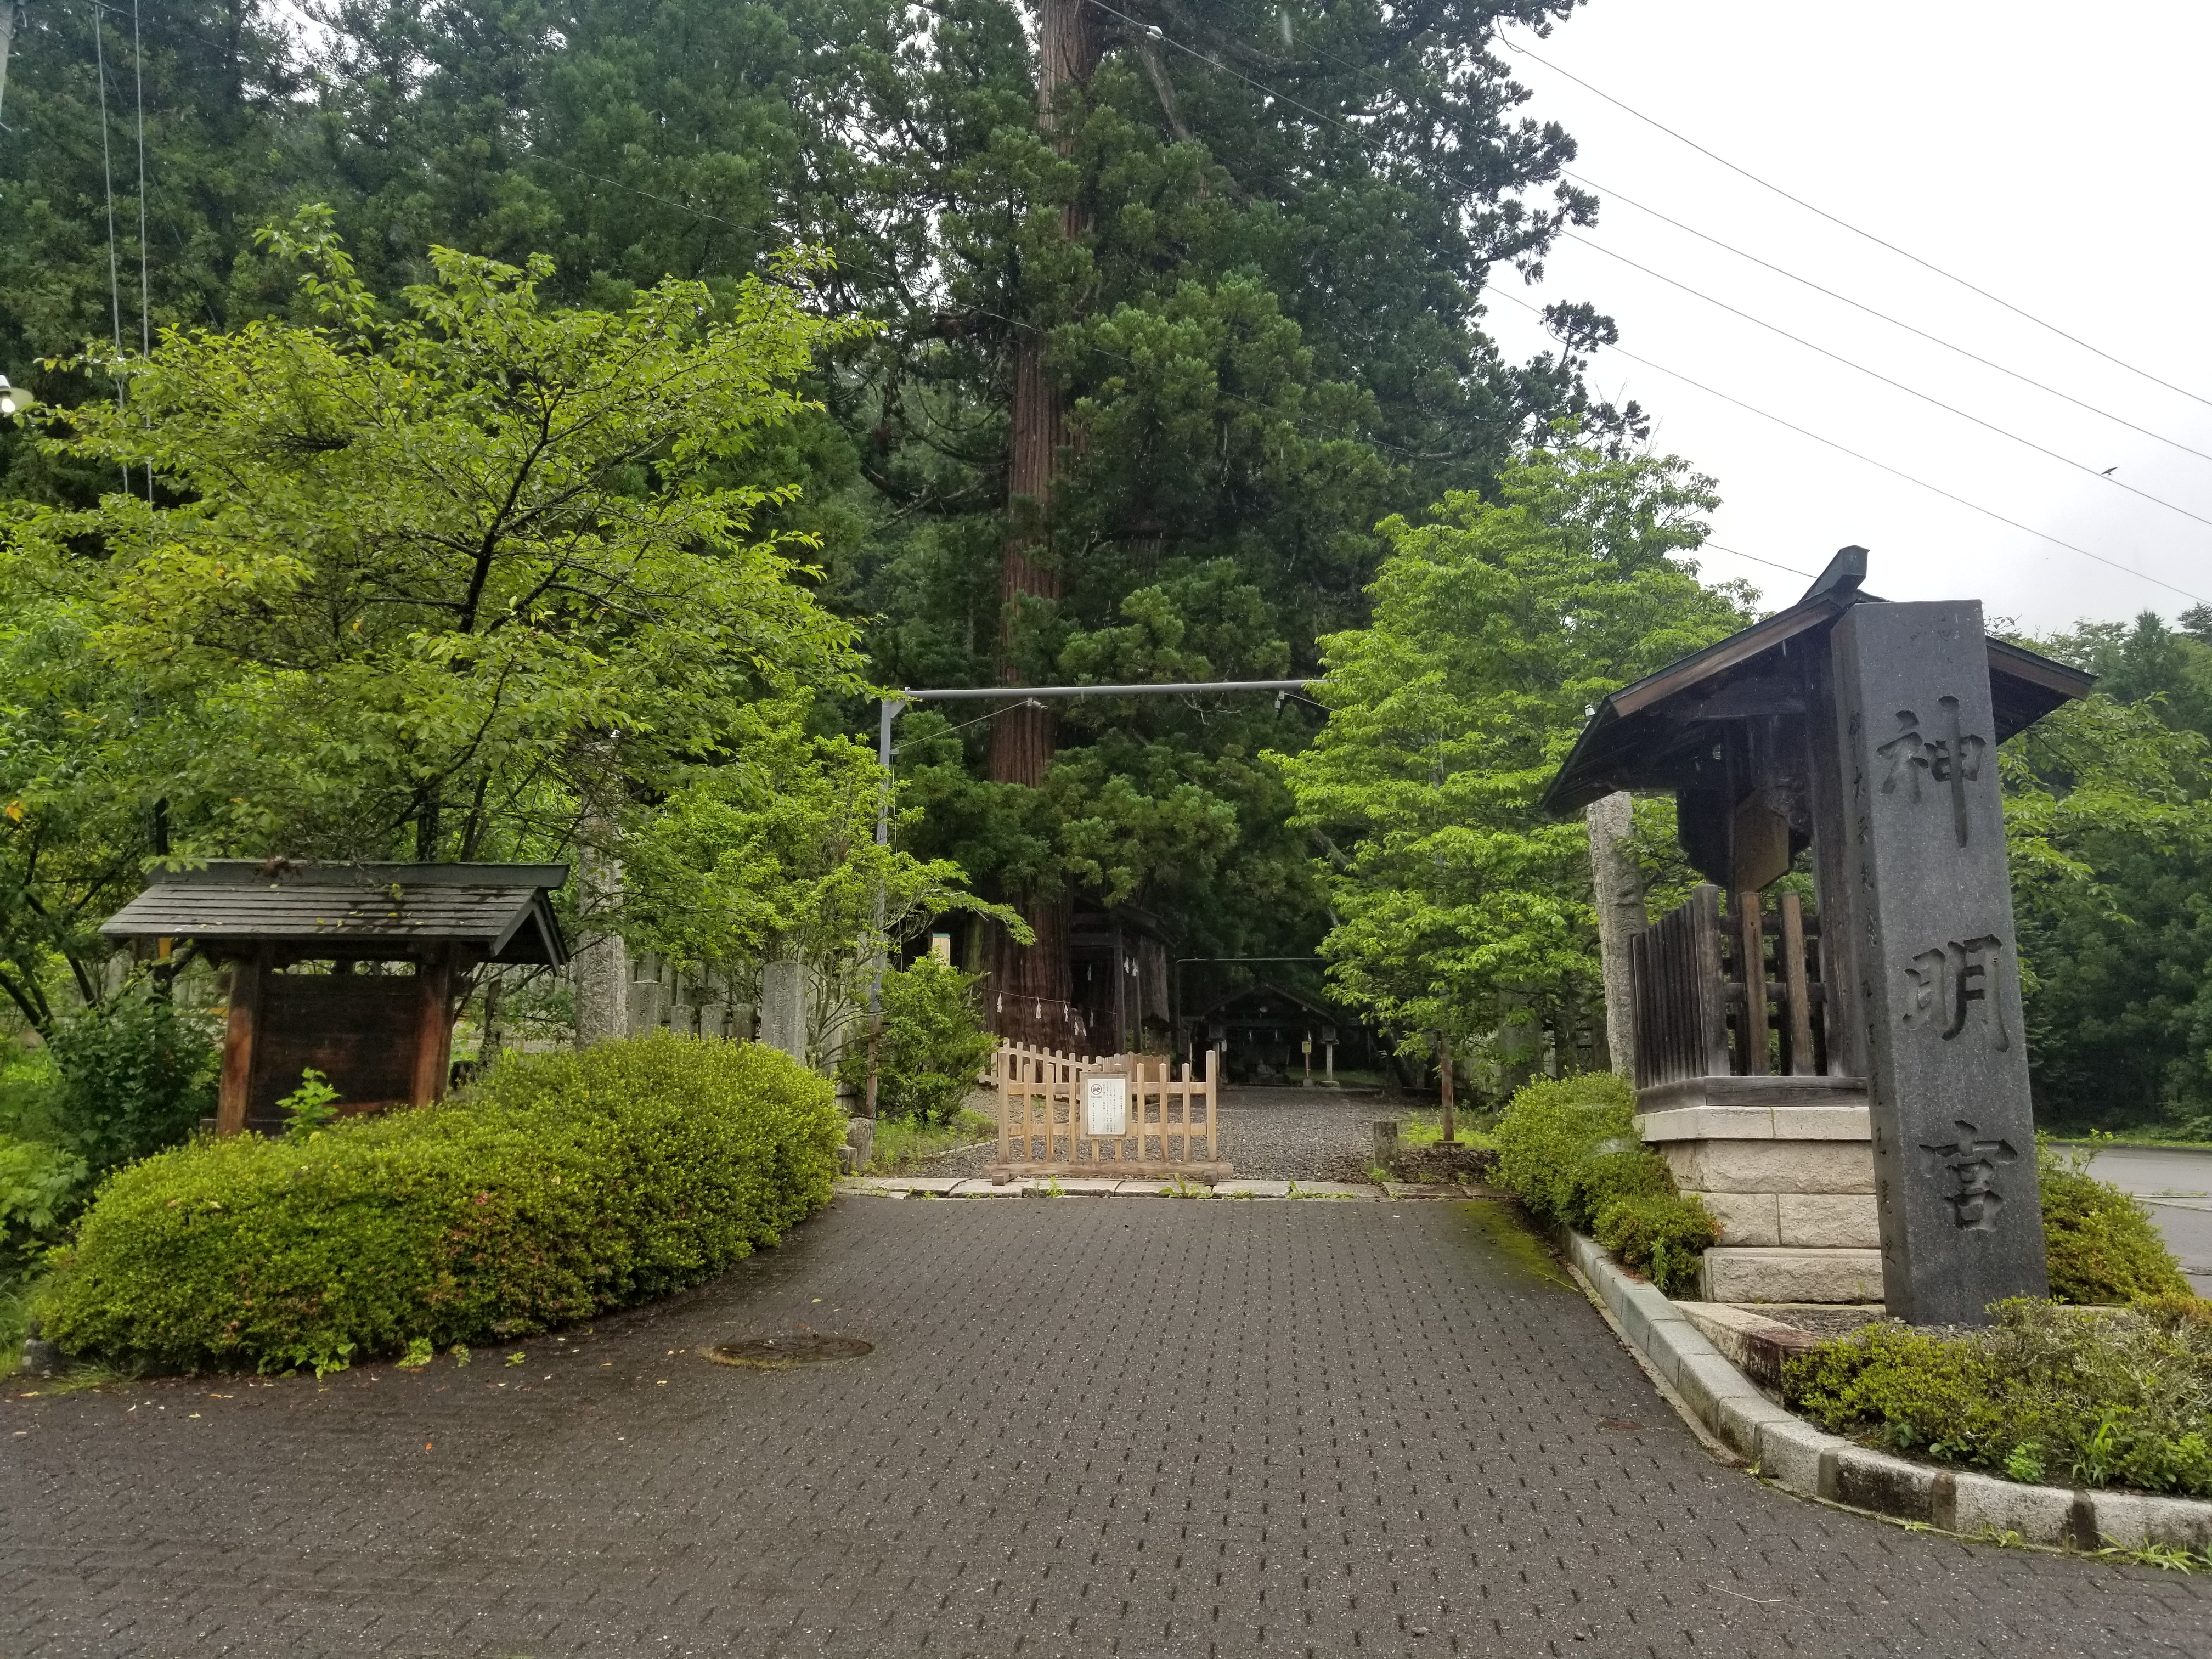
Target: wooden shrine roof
{"points": [[1637, 737], [496, 912]]}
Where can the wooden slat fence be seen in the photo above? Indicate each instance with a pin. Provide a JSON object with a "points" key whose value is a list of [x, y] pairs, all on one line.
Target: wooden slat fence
{"points": [[1736, 996], [1170, 1124]]}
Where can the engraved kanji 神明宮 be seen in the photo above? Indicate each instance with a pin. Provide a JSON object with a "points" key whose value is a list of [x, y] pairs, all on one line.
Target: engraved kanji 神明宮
{"points": [[1952, 757], [1972, 1163], [1951, 982]]}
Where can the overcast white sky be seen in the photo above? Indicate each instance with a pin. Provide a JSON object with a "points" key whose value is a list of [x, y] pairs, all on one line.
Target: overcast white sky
{"points": [[2054, 157]]}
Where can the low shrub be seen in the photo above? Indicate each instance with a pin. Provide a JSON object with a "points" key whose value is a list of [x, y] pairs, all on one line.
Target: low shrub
{"points": [[40, 1188], [1666, 1234], [2105, 1397], [1569, 1149], [562, 1185], [933, 1047], [133, 1076], [2100, 1246]]}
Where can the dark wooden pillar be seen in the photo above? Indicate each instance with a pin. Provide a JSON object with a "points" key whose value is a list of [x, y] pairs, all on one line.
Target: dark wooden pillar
{"points": [[234, 1094], [434, 1025]]}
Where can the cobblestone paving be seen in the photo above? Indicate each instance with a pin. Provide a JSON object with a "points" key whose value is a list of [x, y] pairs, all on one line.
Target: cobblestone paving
{"points": [[1132, 1427], [1270, 1134]]}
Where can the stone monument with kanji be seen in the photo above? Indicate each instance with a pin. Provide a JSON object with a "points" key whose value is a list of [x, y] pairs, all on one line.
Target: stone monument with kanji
{"points": [[1846, 1087]]}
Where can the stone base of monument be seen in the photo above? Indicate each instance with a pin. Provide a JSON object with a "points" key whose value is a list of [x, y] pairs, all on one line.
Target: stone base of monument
{"points": [[1786, 1165]]}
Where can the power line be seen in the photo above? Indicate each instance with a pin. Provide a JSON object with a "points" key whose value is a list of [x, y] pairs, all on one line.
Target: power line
{"points": [[1216, 64], [2043, 535], [1879, 316], [1621, 196], [1904, 253], [145, 305], [1755, 559], [1836, 356]]}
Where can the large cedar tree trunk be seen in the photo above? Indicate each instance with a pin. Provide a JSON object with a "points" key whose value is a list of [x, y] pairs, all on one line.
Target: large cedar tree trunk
{"points": [[1032, 983]]}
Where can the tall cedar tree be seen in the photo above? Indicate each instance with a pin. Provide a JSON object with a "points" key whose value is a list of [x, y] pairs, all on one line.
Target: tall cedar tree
{"points": [[1161, 346]]}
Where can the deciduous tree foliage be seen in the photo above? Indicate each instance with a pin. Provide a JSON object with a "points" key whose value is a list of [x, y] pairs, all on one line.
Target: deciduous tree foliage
{"points": [[1266, 326], [1461, 907], [427, 583], [2108, 818]]}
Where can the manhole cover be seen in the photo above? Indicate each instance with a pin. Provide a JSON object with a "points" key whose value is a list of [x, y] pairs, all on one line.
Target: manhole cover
{"points": [[776, 1353]]}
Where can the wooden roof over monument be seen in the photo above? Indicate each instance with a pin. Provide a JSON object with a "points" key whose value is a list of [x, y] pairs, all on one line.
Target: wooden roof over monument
{"points": [[1654, 733], [494, 912]]}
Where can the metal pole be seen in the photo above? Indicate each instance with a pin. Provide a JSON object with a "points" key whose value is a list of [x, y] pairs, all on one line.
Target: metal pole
{"points": [[889, 713], [972, 693]]}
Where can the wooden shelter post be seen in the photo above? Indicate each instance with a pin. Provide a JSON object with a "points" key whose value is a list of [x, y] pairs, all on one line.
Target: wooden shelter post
{"points": [[235, 1091]]}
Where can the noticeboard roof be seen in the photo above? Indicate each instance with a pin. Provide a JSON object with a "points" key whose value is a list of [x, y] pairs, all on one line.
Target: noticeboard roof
{"points": [[496, 912]]}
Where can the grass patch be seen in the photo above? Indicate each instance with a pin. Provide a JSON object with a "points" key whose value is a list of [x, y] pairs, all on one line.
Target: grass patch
{"points": [[905, 1145], [1424, 1126]]}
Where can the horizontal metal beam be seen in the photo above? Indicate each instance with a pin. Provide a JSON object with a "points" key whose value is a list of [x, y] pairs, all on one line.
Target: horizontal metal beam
{"points": [[974, 692]]}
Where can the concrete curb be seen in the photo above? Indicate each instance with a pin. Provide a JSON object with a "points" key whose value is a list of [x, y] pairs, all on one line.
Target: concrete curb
{"points": [[1784, 1448]]}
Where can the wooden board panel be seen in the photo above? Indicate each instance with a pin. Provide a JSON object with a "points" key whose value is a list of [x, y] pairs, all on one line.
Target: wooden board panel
{"points": [[358, 1029]]}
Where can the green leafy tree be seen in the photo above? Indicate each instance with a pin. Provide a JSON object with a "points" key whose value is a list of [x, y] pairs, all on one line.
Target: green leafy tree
{"points": [[768, 851], [1247, 332], [1460, 906], [444, 583], [1170, 319], [2108, 823], [934, 1045]]}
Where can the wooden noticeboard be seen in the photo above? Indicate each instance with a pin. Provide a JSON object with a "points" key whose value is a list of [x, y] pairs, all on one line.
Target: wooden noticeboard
{"points": [[1106, 1116]]}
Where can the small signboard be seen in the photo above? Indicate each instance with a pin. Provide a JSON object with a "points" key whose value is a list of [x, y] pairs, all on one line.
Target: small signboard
{"points": [[1106, 1106]]}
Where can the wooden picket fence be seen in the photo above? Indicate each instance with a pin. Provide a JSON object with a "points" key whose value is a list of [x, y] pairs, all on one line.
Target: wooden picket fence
{"points": [[1053, 1122]]}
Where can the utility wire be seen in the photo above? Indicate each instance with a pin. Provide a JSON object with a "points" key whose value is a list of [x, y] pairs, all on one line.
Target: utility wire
{"points": [[1621, 196], [1879, 316], [1755, 559], [2043, 535], [145, 305], [1160, 35], [1836, 356], [1905, 253]]}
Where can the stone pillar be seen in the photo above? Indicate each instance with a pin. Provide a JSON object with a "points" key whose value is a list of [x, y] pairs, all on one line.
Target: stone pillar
{"points": [[783, 1006], [1929, 900], [600, 970], [1620, 917]]}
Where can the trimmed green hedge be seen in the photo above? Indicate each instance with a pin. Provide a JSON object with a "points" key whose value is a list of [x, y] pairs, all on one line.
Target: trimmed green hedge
{"points": [[1569, 1150], [2099, 1244], [560, 1186], [2075, 1396]]}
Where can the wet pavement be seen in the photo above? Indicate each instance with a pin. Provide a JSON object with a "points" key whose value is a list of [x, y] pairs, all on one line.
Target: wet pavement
{"points": [[1139, 1427]]}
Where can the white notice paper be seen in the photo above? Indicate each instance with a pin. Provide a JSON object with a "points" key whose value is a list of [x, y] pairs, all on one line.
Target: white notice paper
{"points": [[1105, 1105]]}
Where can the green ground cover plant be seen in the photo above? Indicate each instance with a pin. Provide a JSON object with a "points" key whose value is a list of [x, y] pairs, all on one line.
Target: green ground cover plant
{"points": [[2075, 1396], [1568, 1150], [562, 1185]]}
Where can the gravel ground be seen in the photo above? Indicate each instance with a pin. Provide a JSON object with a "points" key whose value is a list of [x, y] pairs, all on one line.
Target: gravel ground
{"points": [[1267, 1134]]}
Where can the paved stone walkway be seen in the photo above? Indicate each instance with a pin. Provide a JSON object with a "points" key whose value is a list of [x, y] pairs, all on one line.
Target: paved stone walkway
{"points": [[1133, 1427]]}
